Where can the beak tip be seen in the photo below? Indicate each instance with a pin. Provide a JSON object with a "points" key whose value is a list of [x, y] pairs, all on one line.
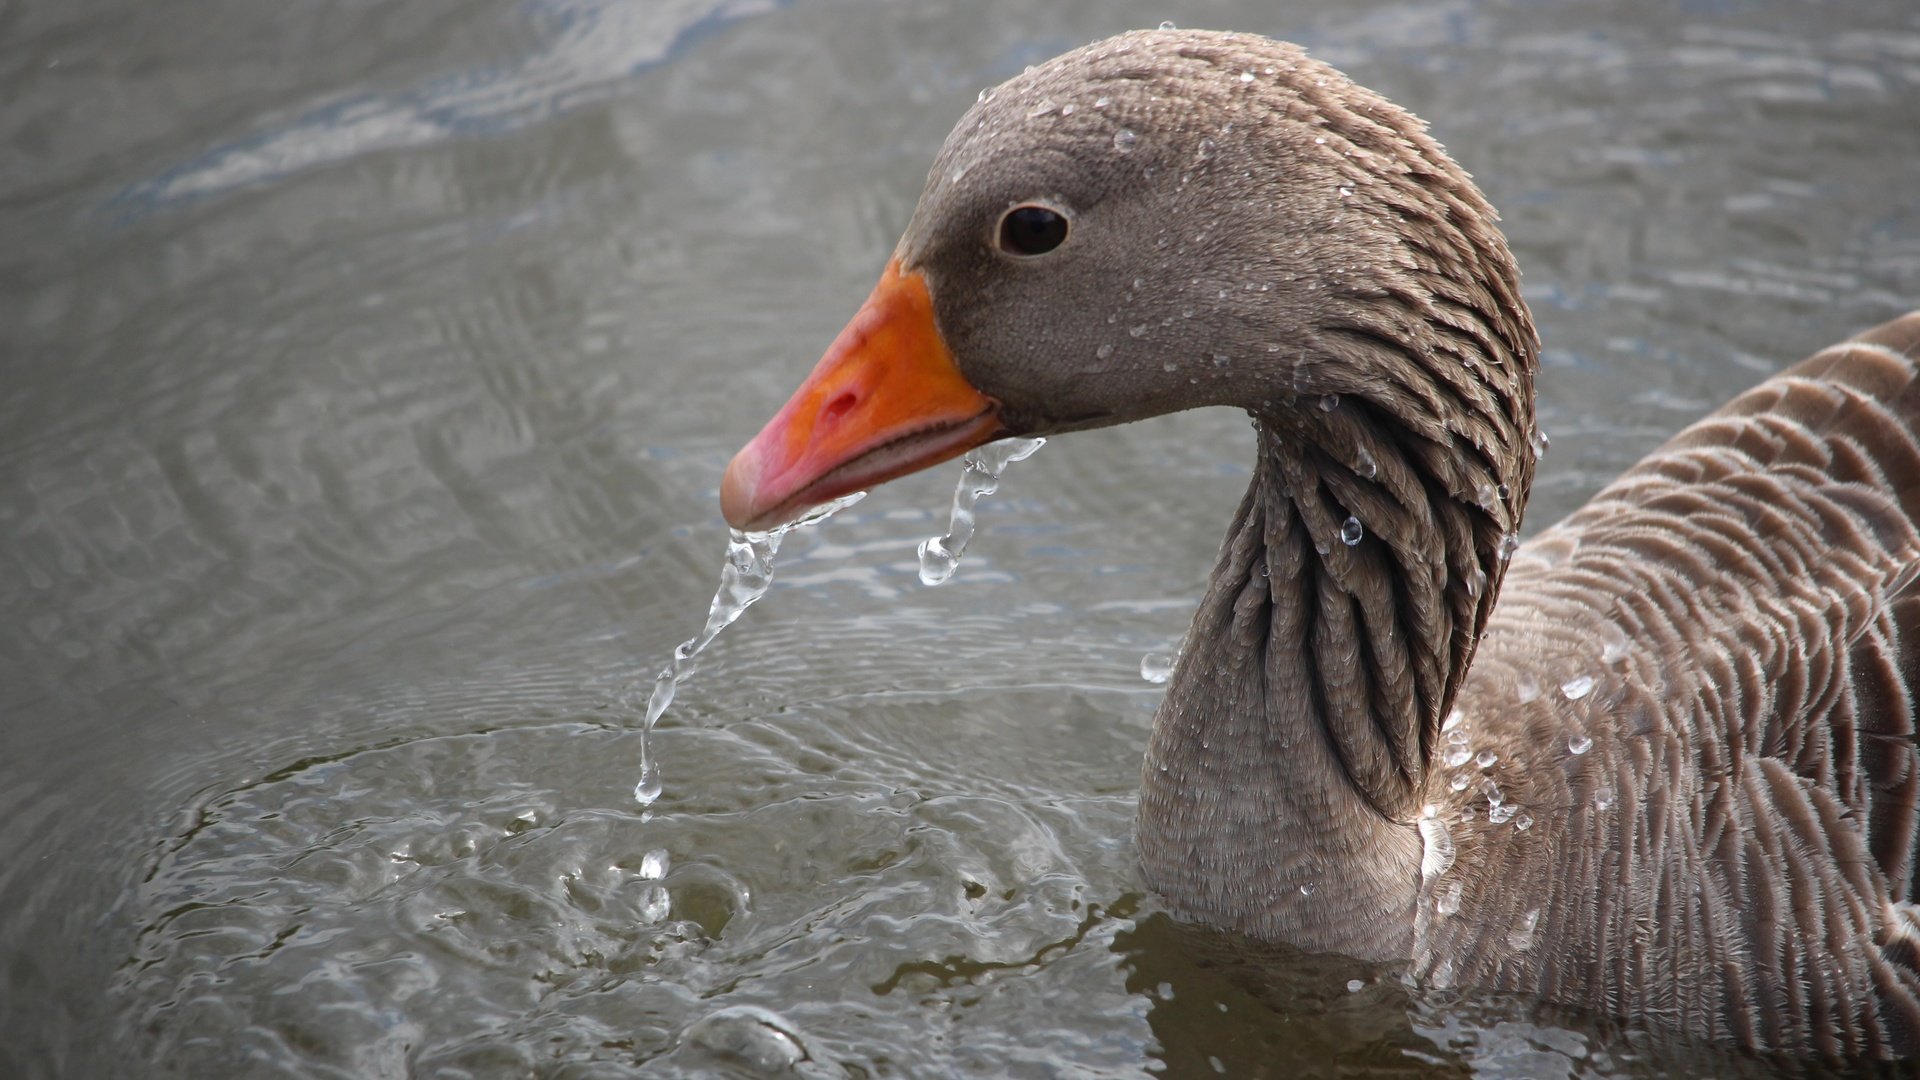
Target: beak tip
{"points": [[737, 489]]}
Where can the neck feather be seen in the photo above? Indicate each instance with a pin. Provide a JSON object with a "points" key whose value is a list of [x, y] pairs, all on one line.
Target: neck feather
{"points": [[1291, 757]]}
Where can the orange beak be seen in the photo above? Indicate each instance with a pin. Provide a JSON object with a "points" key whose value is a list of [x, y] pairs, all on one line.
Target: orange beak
{"points": [[886, 400]]}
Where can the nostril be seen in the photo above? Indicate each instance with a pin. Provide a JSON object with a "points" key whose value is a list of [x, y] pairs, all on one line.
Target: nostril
{"points": [[839, 407]]}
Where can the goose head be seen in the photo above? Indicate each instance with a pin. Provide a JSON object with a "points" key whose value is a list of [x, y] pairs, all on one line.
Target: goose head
{"points": [[1167, 220]]}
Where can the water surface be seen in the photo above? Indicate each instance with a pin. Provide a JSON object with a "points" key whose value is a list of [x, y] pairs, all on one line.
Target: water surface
{"points": [[369, 374]]}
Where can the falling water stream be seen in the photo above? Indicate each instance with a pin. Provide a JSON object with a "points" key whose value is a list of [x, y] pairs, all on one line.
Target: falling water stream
{"points": [[940, 555], [748, 573], [744, 579]]}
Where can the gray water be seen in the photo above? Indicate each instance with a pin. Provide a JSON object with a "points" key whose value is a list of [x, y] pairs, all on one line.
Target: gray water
{"points": [[369, 371]]}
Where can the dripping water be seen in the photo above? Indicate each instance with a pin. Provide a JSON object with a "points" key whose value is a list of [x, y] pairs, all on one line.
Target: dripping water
{"points": [[744, 579], [1156, 667], [940, 555]]}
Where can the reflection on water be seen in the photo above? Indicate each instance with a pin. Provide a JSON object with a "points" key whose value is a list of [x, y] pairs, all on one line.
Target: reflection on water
{"points": [[370, 373], [584, 51]]}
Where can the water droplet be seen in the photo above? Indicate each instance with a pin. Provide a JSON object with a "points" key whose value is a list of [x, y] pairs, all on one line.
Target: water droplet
{"points": [[1508, 545], [1459, 781], [1539, 442], [1577, 687], [1486, 758], [1603, 798], [1483, 496], [1523, 822], [1207, 149], [653, 865], [1156, 667], [1067, 109], [1351, 531], [1320, 140], [1354, 986], [1458, 756], [1502, 813], [655, 903], [1307, 887], [937, 564], [1102, 102], [1221, 360], [1137, 329], [1330, 403], [1526, 688], [1578, 744], [1447, 900], [1105, 350], [647, 791], [1125, 140], [1168, 25], [1614, 648], [1520, 938], [1368, 467], [1491, 790], [1436, 853], [1454, 719], [1043, 108], [979, 476], [1346, 192]]}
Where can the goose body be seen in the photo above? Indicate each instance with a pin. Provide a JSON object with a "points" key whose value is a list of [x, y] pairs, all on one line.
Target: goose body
{"points": [[1670, 774]]}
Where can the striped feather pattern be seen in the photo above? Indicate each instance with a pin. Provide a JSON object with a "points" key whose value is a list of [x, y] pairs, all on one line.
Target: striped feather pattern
{"points": [[1730, 633]]}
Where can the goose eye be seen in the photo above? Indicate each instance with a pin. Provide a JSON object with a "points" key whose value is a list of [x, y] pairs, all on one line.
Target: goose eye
{"points": [[1032, 230]]}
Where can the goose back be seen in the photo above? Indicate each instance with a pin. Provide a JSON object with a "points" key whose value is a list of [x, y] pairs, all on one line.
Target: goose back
{"points": [[1697, 694]]}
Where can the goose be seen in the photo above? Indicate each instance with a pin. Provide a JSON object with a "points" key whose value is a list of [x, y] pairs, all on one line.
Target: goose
{"points": [[1670, 775]]}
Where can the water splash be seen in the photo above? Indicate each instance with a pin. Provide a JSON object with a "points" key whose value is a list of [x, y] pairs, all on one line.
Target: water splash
{"points": [[744, 579], [656, 903], [940, 555]]}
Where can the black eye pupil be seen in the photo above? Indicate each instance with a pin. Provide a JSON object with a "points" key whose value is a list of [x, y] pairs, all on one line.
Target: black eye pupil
{"points": [[1032, 230]]}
